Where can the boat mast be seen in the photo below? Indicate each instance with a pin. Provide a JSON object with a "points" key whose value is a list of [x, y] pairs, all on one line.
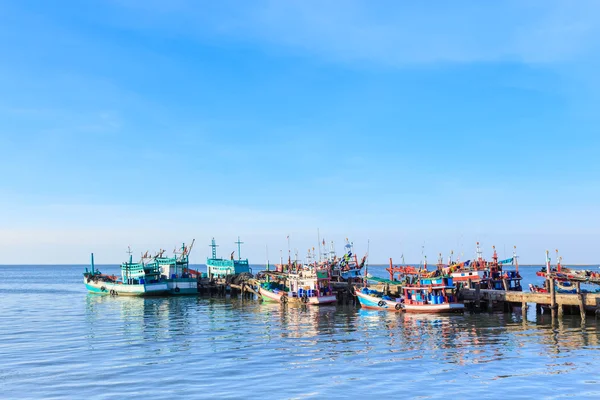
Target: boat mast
{"points": [[516, 259], [367, 264], [331, 251], [130, 260], [558, 262], [319, 242], [296, 258], [267, 252], [289, 254], [214, 248], [239, 248]]}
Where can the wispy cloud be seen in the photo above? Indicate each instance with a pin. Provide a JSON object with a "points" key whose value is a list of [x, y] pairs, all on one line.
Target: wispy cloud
{"points": [[394, 33]]}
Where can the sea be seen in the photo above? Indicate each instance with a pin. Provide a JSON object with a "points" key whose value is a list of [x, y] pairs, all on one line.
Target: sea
{"points": [[59, 342]]}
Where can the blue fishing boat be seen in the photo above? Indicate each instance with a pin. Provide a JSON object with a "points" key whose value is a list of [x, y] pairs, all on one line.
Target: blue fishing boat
{"points": [[347, 268], [220, 268], [376, 300], [137, 279]]}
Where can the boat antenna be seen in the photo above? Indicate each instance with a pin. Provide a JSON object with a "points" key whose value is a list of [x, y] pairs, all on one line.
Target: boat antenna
{"points": [[239, 248]]}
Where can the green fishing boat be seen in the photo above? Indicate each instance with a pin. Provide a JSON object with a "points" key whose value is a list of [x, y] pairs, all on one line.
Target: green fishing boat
{"points": [[137, 279], [220, 268]]}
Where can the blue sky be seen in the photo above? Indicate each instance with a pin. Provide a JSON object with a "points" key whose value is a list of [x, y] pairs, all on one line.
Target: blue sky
{"points": [[148, 123]]}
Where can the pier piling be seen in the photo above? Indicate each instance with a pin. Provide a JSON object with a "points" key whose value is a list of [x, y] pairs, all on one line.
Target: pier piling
{"points": [[552, 293]]}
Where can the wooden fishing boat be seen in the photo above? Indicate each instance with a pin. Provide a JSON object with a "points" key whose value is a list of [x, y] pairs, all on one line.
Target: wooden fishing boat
{"points": [[311, 285], [273, 290], [490, 274], [300, 284], [432, 295], [374, 300], [346, 268], [564, 274], [137, 279]]}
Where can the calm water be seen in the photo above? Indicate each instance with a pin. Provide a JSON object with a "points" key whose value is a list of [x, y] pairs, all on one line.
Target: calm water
{"points": [[56, 341]]}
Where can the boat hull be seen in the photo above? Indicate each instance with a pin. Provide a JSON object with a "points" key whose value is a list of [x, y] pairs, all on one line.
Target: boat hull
{"points": [[377, 303], [315, 300], [465, 276], [111, 288], [435, 308], [268, 295], [182, 286]]}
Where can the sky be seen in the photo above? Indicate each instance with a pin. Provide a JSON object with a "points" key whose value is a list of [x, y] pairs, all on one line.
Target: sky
{"points": [[410, 128]]}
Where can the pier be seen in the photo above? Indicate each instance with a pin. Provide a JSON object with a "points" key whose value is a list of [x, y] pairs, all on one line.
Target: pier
{"points": [[475, 298], [494, 300]]}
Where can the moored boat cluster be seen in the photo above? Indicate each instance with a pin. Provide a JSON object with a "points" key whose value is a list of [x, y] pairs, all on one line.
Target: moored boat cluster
{"points": [[313, 281]]}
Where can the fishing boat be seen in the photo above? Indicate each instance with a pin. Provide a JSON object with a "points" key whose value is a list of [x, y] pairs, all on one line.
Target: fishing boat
{"points": [[175, 271], [434, 294], [490, 274], [273, 287], [346, 268], [311, 285], [308, 284], [561, 273], [220, 268], [375, 300], [566, 280], [137, 279]]}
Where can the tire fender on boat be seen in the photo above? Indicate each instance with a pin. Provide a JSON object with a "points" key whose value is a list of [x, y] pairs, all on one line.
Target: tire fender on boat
{"points": [[304, 299], [103, 289], [283, 299], [398, 306], [177, 290], [381, 303]]}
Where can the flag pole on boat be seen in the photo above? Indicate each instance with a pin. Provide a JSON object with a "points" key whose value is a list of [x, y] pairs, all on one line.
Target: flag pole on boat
{"points": [[367, 264], [289, 254], [319, 241], [267, 253]]}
